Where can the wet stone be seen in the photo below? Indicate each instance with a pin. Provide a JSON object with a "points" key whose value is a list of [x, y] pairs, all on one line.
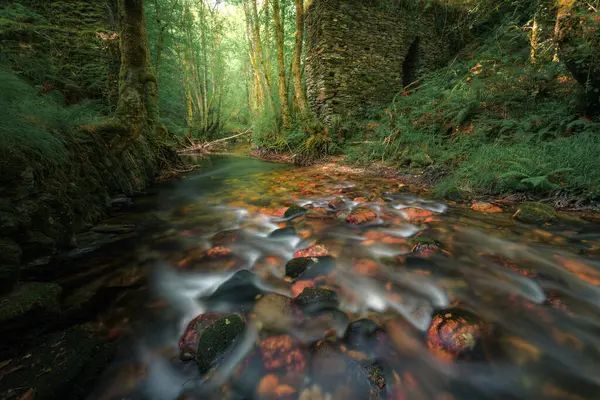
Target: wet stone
{"points": [[283, 353], [217, 339], [337, 204], [275, 312], [362, 335], [226, 237], [296, 266], [319, 266], [360, 216], [294, 211], [317, 250], [239, 290], [318, 213], [535, 213], [315, 300], [288, 231], [190, 338], [415, 263], [457, 334]]}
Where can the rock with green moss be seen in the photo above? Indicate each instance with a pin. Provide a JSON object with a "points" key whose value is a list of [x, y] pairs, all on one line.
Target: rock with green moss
{"points": [[217, 339], [296, 266], [38, 300], [535, 213], [294, 211]]}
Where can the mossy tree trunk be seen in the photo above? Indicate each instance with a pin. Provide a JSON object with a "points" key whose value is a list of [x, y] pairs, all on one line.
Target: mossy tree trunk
{"points": [[137, 108], [578, 38], [298, 92]]}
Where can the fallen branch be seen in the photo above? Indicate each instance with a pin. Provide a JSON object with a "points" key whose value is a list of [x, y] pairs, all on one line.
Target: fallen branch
{"points": [[205, 146]]}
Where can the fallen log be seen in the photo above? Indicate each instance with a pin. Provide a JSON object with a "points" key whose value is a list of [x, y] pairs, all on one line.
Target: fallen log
{"points": [[205, 146]]}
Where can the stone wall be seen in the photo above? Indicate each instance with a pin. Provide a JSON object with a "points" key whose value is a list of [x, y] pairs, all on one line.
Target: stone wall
{"points": [[69, 45], [360, 55]]}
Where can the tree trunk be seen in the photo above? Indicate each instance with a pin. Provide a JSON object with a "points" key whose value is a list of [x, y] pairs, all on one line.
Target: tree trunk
{"points": [[284, 108], [582, 61], [137, 108], [260, 55], [298, 91]]}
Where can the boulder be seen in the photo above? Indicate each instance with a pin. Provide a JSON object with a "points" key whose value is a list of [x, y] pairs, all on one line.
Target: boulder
{"points": [[275, 312], [535, 213], [217, 339], [337, 204], [294, 211], [315, 300], [288, 231], [238, 291], [188, 343], [360, 216]]}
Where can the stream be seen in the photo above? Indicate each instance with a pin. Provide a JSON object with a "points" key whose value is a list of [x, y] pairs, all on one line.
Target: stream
{"points": [[389, 295]]}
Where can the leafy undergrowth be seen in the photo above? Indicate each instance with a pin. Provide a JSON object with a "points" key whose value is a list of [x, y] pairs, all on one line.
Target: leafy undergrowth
{"points": [[490, 123], [307, 141]]}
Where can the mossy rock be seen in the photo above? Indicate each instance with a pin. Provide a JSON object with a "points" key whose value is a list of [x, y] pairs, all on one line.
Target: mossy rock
{"points": [[296, 266], [217, 339], [294, 211], [315, 300], [31, 298], [535, 213]]}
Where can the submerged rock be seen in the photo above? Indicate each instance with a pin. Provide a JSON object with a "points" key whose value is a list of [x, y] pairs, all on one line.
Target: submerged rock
{"points": [[225, 237], [457, 334], [337, 204], [217, 339], [188, 343], [318, 213], [288, 231], [362, 335], [535, 213], [307, 268], [317, 250], [294, 211], [239, 290], [275, 312], [314, 300], [282, 353], [361, 215], [484, 207], [296, 266]]}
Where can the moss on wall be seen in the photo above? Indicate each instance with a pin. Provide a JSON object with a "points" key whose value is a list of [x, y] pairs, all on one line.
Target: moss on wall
{"points": [[356, 53], [69, 45]]}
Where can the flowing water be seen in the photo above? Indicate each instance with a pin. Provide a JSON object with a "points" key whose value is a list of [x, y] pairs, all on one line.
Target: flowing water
{"points": [[403, 298]]}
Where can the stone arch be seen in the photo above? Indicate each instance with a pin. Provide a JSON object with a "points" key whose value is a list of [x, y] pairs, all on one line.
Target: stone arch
{"points": [[412, 63]]}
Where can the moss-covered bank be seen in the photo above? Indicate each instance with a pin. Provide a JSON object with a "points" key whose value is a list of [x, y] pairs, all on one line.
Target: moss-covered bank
{"points": [[59, 83]]}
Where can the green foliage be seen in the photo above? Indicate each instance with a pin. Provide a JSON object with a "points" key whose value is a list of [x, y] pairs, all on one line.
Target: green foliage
{"points": [[491, 123], [19, 13]]}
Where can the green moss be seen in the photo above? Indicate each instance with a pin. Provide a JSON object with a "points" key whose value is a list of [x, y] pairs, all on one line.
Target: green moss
{"points": [[30, 297], [296, 266], [535, 213], [19, 13], [218, 339], [294, 210]]}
